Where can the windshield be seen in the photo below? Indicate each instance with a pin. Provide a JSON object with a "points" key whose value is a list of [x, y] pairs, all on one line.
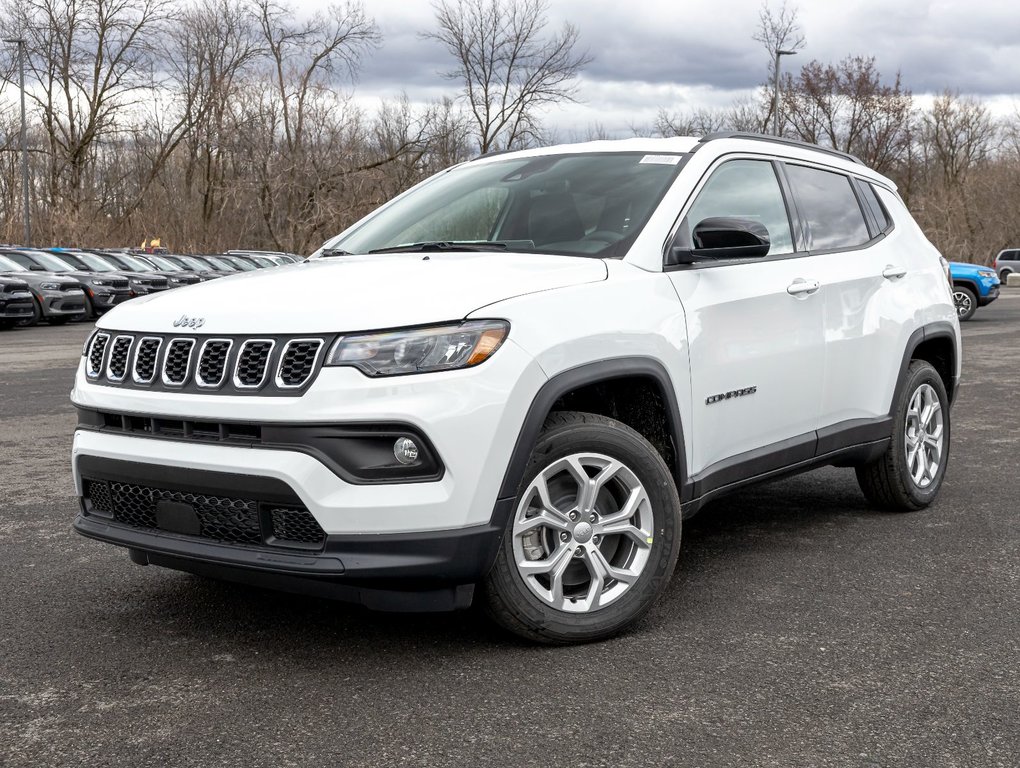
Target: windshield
{"points": [[241, 264], [220, 264], [47, 261], [8, 265], [164, 263], [91, 262], [591, 205], [129, 263]]}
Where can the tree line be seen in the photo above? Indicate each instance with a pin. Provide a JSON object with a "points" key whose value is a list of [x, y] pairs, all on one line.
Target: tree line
{"points": [[231, 123]]}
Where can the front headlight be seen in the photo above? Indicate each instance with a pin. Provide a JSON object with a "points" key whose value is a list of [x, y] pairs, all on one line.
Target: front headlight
{"points": [[420, 350], [98, 281], [49, 286], [986, 273]]}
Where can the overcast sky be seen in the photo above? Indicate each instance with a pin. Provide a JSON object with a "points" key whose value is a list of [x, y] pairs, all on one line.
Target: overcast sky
{"points": [[684, 55]]}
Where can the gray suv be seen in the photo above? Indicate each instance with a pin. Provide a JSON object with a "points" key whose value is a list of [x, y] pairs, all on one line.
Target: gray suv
{"points": [[1006, 263]]}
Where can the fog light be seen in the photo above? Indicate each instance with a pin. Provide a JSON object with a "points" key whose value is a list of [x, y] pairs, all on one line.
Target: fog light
{"points": [[405, 450]]}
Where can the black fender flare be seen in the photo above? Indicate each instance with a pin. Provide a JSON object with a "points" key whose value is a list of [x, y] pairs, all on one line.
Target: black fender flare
{"points": [[584, 375], [937, 330]]}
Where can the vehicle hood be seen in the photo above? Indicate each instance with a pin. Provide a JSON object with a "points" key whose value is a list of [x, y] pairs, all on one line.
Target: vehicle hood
{"points": [[355, 293], [962, 268], [36, 277]]}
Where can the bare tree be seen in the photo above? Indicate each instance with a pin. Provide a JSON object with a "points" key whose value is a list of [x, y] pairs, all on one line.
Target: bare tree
{"points": [[508, 68], [847, 107], [956, 135], [780, 35]]}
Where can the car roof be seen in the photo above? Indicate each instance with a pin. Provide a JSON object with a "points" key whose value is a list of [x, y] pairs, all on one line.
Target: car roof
{"points": [[718, 143]]}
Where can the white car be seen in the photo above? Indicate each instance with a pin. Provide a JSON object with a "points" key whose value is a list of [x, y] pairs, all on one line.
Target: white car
{"points": [[510, 384]]}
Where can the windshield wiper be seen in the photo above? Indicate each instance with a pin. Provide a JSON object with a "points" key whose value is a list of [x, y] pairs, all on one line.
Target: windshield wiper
{"points": [[327, 252], [446, 245]]}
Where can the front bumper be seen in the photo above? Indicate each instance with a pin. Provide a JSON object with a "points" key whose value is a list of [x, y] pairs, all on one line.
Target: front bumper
{"points": [[61, 303], [988, 298], [104, 299], [16, 307], [411, 571]]}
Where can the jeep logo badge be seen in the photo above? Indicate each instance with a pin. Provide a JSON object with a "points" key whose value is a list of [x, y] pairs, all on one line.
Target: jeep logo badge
{"points": [[189, 322]]}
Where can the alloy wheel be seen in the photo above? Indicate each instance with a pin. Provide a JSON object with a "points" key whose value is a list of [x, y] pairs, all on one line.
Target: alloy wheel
{"points": [[923, 435], [582, 532]]}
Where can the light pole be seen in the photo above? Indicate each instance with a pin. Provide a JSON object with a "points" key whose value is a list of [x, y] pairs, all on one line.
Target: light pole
{"points": [[27, 213], [775, 92]]}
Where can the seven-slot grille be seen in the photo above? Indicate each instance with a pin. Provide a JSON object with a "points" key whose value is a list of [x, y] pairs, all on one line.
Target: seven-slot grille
{"points": [[220, 365]]}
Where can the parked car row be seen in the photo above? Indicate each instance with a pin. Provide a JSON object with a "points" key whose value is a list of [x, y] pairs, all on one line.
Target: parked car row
{"points": [[59, 285]]}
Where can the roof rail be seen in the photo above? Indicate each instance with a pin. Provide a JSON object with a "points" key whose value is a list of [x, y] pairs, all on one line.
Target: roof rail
{"points": [[780, 140]]}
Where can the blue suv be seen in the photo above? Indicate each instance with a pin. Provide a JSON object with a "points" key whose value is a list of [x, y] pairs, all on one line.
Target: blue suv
{"points": [[973, 287]]}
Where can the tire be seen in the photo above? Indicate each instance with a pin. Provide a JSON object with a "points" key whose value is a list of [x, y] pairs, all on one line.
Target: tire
{"points": [[640, 560], [890, 483], [1004, 276], [966, 302], [30, 321], [88, 314], [6, 324]]}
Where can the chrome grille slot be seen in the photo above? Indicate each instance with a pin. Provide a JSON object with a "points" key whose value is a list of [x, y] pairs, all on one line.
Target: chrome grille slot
{"points": [[297, 363], [177, 364], [252, 367], [120, 353], [212, 362], [146, 357], [96, 356]]}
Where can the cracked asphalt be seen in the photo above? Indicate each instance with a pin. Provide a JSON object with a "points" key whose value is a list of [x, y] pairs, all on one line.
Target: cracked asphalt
{"points": [[802, 629]]}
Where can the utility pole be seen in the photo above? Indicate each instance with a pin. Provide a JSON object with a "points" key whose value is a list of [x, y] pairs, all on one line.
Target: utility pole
{"points": [[27, 212], [775, 91]]}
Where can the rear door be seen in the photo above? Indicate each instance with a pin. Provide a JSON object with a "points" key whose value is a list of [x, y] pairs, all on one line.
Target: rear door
{"points": [[755, 334], [868, 307]]}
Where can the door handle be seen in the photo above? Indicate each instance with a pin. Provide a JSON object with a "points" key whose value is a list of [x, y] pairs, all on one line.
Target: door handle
{"points": [[801, 286], [892, 272]]}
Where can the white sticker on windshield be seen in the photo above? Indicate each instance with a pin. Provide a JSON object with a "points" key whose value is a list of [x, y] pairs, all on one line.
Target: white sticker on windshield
{"points": [[661, 159]]}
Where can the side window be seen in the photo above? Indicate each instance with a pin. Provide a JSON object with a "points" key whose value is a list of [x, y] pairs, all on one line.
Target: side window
{"points": [[872, 201], [829, 207], [746, 189]]}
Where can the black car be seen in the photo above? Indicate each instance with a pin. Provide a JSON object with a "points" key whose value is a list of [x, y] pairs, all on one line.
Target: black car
{"points": [[104, 287], [141, 282], [16, 304], [176, 274], [57, 298], [204, 265]]}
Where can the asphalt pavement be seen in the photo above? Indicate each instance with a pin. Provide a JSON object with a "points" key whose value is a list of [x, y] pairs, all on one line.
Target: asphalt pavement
{"points": [[802, 629]]}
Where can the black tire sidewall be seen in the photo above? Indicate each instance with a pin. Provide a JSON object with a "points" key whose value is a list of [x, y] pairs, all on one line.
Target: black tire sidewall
{"points": [[595, 435], [921, 373]]}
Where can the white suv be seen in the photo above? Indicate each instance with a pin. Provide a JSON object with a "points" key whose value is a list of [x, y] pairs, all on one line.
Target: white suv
{"points": [[511, 383]]}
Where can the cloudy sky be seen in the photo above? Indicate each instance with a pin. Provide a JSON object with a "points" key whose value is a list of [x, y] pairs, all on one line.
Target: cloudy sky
{"points": [[683, 55]]}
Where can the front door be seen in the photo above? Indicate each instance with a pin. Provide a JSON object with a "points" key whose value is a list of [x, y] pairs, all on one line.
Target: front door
{"points": [[755, 334]]}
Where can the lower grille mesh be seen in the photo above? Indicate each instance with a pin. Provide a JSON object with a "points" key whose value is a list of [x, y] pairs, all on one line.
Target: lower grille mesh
{"points": [[220, 518]]}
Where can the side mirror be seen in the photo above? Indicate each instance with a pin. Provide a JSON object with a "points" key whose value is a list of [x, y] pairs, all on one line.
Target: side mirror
{"points": [[725, 237], [37, 267]]}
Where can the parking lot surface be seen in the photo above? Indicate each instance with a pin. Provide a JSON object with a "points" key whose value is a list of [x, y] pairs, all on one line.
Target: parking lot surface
{"points": [[801, 629]]}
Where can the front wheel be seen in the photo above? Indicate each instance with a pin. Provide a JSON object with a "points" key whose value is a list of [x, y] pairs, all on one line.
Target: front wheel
{"points": [[909, 474], [966, 302], [593, 539]]}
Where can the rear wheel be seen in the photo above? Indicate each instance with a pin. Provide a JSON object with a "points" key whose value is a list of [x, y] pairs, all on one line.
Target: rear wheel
{"points": [[909, 474], [965, 300], [594, 537], [1004, 276]]}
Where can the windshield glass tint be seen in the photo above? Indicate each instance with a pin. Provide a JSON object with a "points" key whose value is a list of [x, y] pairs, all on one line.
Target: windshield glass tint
{"points": [[8, 265], [567, 204], [135, 265]]}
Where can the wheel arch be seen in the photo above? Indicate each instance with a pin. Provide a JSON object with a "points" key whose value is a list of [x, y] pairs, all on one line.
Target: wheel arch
{"points": [[935, 343], [583, 381]]}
